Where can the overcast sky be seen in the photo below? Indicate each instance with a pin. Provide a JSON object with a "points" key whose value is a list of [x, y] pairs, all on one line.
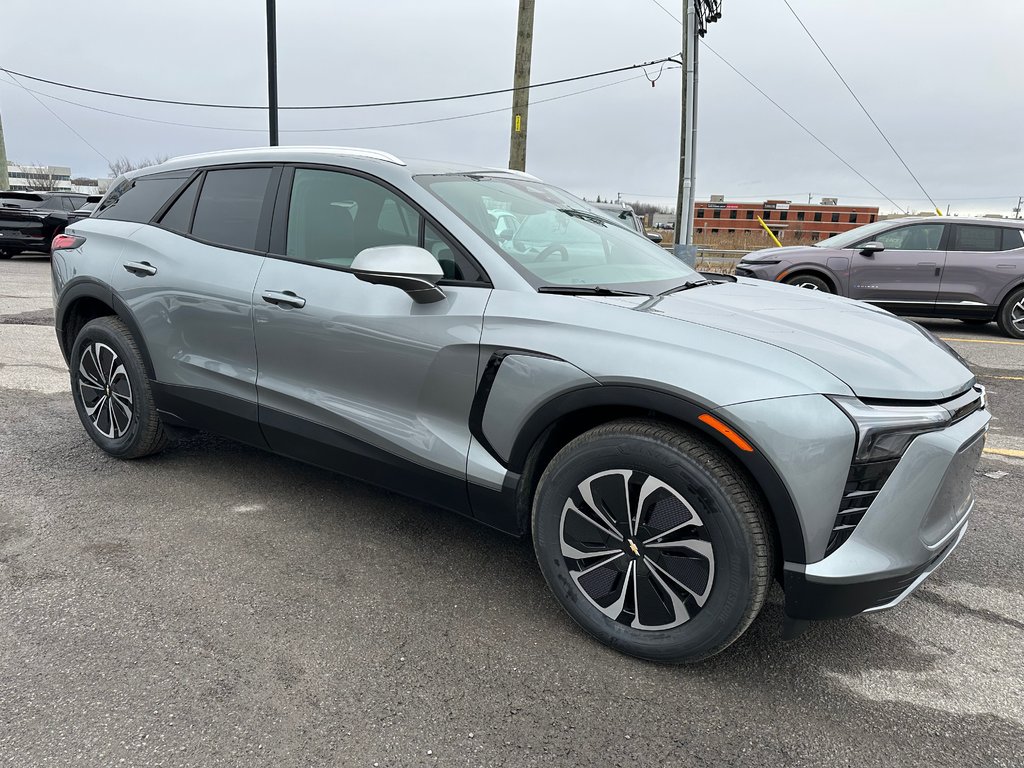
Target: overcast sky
{"points": [[942, 78]]}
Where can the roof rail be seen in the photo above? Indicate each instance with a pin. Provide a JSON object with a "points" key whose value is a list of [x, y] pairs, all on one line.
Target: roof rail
{"points": [[370, 154]]}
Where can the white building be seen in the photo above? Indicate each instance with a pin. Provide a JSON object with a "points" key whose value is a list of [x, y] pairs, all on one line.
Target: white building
{"points": [[39, 177]]}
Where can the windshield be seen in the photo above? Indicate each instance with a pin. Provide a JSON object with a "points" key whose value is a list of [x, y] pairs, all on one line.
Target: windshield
{"points": [[553, 238], [854, 236]]}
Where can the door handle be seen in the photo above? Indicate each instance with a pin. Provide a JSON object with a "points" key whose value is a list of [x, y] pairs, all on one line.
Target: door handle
{"points": [[287, 298], [140, 268]]}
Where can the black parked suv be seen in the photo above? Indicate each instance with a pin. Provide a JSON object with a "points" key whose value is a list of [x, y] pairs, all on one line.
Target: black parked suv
{"points": [[29, 220]]}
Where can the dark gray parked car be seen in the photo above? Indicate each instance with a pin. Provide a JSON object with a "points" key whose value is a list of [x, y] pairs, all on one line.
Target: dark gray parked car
{"points": [[672, 444], [964, 268]]}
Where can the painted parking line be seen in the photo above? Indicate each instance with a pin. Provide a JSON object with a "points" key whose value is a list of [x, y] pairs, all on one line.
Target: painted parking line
{"points": [[1002, 378], [984, 341], [1006, 452]]}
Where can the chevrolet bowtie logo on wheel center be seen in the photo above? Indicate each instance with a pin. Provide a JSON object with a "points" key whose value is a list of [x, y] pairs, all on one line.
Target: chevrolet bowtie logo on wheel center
{"points": [[633, 547]]}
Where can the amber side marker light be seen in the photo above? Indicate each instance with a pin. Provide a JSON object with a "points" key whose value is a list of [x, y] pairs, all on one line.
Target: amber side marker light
{"points": [[729, 433]]}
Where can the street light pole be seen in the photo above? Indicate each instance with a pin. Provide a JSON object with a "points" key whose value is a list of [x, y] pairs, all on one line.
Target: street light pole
{"points": [[685, 139], [272, 70]]}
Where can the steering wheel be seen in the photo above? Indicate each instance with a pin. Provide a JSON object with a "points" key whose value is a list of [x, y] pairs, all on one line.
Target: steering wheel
{"points": [[551, 250]]}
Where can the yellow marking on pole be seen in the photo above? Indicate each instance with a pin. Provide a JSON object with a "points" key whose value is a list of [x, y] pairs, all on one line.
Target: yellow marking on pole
{"points": [[937, 211], [770, 233], [985, 341], [1006, 452], [519, 123]]}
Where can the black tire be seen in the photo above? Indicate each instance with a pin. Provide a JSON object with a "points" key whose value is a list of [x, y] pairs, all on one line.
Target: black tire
{"points": [[724, 517], [809, 282], [1011, 314], [111, 391]]}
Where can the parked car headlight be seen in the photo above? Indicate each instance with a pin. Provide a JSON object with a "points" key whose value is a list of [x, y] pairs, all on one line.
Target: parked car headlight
{"points": [[885, 431]]}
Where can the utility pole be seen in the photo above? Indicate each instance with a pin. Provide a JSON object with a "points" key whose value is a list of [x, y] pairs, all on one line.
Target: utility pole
{"points": [[272, 70], [5, 182], [521, 83], [1017, 210], [684, 203], [698, 14]]}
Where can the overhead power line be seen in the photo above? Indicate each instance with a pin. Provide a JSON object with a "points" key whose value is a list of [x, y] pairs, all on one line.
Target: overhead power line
{"points": [[61, 119], [401, 102], [803, 127], [330, 129], [861, 105], [778, 106]]}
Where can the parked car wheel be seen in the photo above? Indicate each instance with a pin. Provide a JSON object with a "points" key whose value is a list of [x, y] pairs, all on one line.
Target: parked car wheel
{"points": [[7, 253], [1011, 314], [652, 540], [111, 391], [809, 282]]}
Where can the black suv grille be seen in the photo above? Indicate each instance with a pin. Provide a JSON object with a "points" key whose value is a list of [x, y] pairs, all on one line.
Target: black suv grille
{"points": [[862, 486]]}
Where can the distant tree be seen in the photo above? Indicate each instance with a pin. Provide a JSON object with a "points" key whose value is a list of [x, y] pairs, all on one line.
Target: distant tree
{"points": [[123, 165], [81, 181]]}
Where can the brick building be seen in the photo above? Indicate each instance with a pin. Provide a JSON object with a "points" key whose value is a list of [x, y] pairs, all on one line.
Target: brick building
{"points": [[718, 221]]}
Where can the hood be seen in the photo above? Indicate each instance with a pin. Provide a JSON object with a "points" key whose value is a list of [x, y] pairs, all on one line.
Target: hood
{"points": [[876, 354], [778, 254]]}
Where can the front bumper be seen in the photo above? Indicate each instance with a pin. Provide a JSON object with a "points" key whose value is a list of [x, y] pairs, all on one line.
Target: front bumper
{"points": [[913, 525]]}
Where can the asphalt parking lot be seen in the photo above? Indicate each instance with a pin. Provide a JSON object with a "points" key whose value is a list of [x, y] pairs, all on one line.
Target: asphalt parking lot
{"points": [[217, 605]]}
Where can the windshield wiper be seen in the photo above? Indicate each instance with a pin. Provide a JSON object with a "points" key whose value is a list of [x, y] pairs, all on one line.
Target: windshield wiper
{"points": [[686, 286], [585, 215], [586, 290]]}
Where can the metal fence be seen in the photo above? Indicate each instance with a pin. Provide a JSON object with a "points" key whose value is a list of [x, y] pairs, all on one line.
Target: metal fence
{"points": [[716, 259]]}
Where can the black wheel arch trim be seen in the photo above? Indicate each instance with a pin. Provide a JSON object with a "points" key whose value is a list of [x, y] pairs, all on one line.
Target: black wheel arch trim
{"points": [[543, 417], [814, 270], [91, 288]]}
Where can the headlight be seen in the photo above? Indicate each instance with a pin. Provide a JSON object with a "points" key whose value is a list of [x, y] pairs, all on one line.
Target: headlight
{"points": [[760, 262], [885, 431]]}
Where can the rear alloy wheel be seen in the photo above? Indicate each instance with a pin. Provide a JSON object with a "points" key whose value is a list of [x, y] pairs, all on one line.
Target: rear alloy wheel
{"points": [[652, 540], [111, 392], [810, 282], [1011, 315]]}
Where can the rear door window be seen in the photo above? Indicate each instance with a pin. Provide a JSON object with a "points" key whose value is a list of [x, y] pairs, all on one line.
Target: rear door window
{"points": [[976, 237], [230, 207], [139, 199]]}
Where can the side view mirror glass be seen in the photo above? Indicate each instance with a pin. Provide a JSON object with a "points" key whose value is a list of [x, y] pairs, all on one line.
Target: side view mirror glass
{"points": [[654, 237], [414, 270], [873, 247]]}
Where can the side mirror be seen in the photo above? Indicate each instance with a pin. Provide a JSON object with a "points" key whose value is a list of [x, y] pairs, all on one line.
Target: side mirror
{"points": [[869, 249], [654, 237], [412, 269]]}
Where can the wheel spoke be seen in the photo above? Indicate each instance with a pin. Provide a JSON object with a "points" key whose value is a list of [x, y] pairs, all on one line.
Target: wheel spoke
{"points": [[700, 597], [692, 522], [95, 360], [115, 428], [699, 546], [91, 411], [586, 490], [112, 410], [679, 612]]}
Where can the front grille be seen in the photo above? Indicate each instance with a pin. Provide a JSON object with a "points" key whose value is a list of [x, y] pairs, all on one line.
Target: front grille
{"points": [[862, 486], [744, 272]]}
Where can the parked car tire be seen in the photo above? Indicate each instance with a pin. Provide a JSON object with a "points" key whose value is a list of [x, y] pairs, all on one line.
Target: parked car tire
{"points": [[809, 282], [7, 253], [111, 391], [695, 554], [1011, 314]]}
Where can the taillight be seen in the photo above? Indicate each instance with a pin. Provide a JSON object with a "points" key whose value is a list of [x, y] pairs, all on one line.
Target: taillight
{"points": [[63, 241]]}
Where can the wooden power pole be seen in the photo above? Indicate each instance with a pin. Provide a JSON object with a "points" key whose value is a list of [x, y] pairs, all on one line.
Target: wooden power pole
{"points": [[521, 83], [5, 182]]}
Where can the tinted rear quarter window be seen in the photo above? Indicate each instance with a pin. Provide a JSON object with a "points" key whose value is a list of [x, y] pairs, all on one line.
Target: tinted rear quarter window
{"points": [[230, 205], [976, 237], [179, 216], [1013, 238], [139, 199]]}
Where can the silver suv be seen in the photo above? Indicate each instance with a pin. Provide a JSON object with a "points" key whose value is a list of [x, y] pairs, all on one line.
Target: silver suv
{"points": [[672, 444], [966, 269]]}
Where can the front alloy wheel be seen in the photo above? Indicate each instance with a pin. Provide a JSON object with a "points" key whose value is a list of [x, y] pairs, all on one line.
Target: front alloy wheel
{"points": [[637, 549], [653, 540]]}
